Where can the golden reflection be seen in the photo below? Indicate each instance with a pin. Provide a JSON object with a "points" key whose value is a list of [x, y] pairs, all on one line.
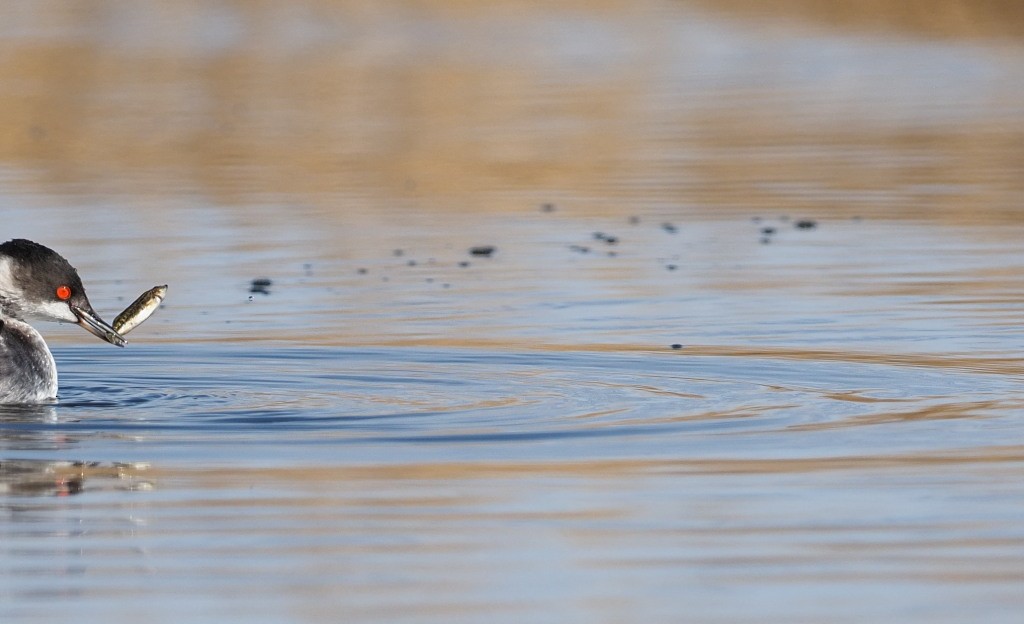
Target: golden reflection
{"points": [[947, 411], [997, 365], [934, 18], [451, 106], [325, 477]]}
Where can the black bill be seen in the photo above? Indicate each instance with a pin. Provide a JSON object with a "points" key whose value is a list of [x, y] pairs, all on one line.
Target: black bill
{"points": [[97, 327]]}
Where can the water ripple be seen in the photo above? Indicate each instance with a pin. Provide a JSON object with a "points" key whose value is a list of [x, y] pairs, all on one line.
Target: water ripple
{"points": [[474, 403]]}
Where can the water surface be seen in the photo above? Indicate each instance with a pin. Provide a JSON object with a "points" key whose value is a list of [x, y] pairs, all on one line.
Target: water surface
{"points": [[749, 345]]}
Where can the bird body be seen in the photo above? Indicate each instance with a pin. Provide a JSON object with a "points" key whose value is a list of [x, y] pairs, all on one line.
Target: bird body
{"points": [[28, 373]]}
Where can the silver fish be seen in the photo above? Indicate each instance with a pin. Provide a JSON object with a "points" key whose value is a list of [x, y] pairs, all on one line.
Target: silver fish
{"points": [[139, 310]]}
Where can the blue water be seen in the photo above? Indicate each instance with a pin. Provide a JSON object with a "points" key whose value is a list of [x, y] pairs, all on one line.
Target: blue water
{"points": [[296, 406], [439, 483], [436, 484]]}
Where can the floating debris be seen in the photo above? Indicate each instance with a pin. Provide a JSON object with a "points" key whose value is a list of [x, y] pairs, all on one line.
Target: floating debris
{"points": [[579, 248], [261, 285], [548, 207], [482, 250], [398, 252], [464, 263], [768, 231], [806, 224], [669, 227], [362, 271], [671, 267], [676, 346], [411, 263]]}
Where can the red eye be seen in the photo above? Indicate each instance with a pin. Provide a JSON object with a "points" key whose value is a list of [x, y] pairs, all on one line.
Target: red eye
{"points": [[63, 293]]}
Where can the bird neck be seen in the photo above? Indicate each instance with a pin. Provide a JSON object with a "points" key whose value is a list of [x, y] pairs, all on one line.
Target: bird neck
{"points": [[9, 291]]}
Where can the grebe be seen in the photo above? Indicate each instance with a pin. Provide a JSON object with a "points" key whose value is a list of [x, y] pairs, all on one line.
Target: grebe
{"points": [[37, 282]]}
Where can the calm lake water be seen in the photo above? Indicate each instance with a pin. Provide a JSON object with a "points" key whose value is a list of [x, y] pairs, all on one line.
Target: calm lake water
{"points": [[749, 346]]}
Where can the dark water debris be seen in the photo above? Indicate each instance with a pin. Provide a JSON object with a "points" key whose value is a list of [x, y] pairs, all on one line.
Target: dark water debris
{"points": [[261, 285], [483, 250]]}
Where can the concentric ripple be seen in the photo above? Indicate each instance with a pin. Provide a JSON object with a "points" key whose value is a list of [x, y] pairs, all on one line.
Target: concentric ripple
{"points": [[336, 404]]}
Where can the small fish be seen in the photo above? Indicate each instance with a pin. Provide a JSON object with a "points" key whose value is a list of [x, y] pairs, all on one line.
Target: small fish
{"points": [[139, 310]]}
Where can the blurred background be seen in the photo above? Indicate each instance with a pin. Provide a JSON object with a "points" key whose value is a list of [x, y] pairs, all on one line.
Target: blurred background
{"points": [[158, 138], [334, 108]]}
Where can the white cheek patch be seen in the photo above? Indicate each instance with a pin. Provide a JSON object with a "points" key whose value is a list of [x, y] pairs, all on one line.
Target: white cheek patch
{"points": [[6, 279], [54, 311]]}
